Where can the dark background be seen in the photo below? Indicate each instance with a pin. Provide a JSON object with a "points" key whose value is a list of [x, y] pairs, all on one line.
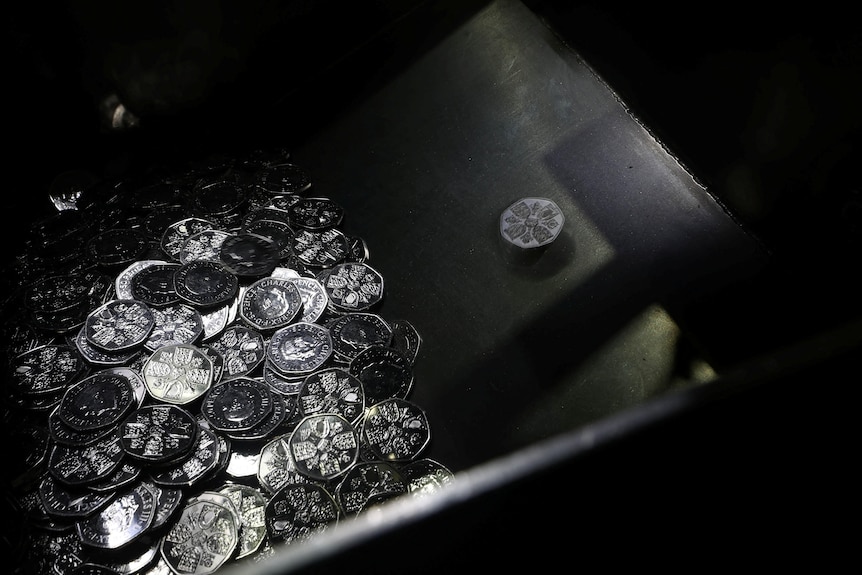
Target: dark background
{"points": [[761, 106]]}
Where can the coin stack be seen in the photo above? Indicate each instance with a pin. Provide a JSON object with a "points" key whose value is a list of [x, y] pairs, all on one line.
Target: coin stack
{"points": [[198, 370]]}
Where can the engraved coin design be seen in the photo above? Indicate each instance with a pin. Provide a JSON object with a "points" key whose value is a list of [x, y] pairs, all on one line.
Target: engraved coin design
{"points": [[62, 433], [396, 430], [57, 293], [175, 235], [406, 339], [332, 390], [123, 282], [270, 303], [119, 325], [369, 483], [241, 348], [214, 320], [314, 298], [355, 331], [174, 324], [97, 357], [283, 179], [126, 518], [249, 255], [299, 348], [178, 374], [286, 385], [168, 502], [82, 466], [205, 283], [384, 373], [204, 245], [275, 465], [158, 433], [324, 446], [237, 404], [300, 511], [201, 540], [531, 222], [353, 286], [251, 504], [426, 476], [98, 400], [282, 410], [61, 501], [46, 369], [316, 213], [320, 248], [154, 285], [277, 231], [123, 476], [200, 464]]}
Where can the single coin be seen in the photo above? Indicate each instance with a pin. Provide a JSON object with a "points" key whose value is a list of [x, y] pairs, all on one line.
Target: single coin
{"points": [[320, 248], [135, 380], [299, 348], [316, 213], [332, 390], [47, 369], [123, 282], [168, 502], [357, 249], [367, 484], [241, 348], [299, 512], [285, 178], [205, 283], [406, 339], [177, 374], [215, 320], [154, 285], [353, 286], [174, 324], [237, 404], [275, 465], [216, 199], [175, 235], [99, 400], [531, 223], [355, 331], [125, 519], [314, 298], [119, 325], [86, 465], [277, 230], [426, 476], [158, 433], [396, 430], [384, 372], [270, 303], [249, 255], [204, 245], [202, 539], [324, 446]]}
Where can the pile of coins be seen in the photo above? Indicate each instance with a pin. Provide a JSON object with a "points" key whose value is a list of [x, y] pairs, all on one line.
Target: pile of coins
{"points": [[197, 370]]}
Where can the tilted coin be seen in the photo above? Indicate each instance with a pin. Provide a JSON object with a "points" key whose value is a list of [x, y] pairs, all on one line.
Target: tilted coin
{"points": [[320, 248], [168, 502], [315, 300], [300, 511], [406, 339], [191, 470], [178, 374], [384, 372], [353, 286], [299, 348], [286, 178], [125, 519], [62, 433], [367, 484], [204, 245], [214, 320], [154, 285], [282, 201], [158, 433], [123, 281], [237, 404], [205, 283], [426, 476], [174, 324], [98, 357], [47, 369], [396, 430], [316, 213], [355, 331], [80, 466], [175, 235], [126, 474], [270, 303], [216, 359], [357, 249], [139, 388], [324, 446], [242, 349], [286, 385], [332, 390], [249, 255], [202, 539], [531, 223], [251, 503], [282, 410], [99, 400], [119, 325], [62, 501]]}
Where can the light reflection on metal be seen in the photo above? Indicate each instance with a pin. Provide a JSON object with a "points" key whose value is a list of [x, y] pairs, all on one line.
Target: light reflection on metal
{"points": [[115, 115]]}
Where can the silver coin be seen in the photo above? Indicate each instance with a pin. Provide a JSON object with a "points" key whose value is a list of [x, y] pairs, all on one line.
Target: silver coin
{"points": [[201, 540], [199, 465], [119, 325], [214, 321], [99, 358], [175, 235], [320, 248], [205, 283], [531, 223], [384, 372], [173, 325], [117, 246], [168, 501], [353, 287], [237, 404], [123, 282], [315, 300], [270, 303], [154, 285], [367, 484], [251, 503], [283, 408], [355, 331], [396, 430], [316, 213], [139, 388], [299, 512], [158, 433], [48, 369], [275, 465], [241, 348], [249, 255], [177, 374], [426, 476], [332, 390], [284, 178], [125, 519], [86, 465], [277, 231], [101, 399], [123, 476], [56, 293], [406, 339], [62, 502], [324, 446], [204, 245], [280, 383], [299, 348]]}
